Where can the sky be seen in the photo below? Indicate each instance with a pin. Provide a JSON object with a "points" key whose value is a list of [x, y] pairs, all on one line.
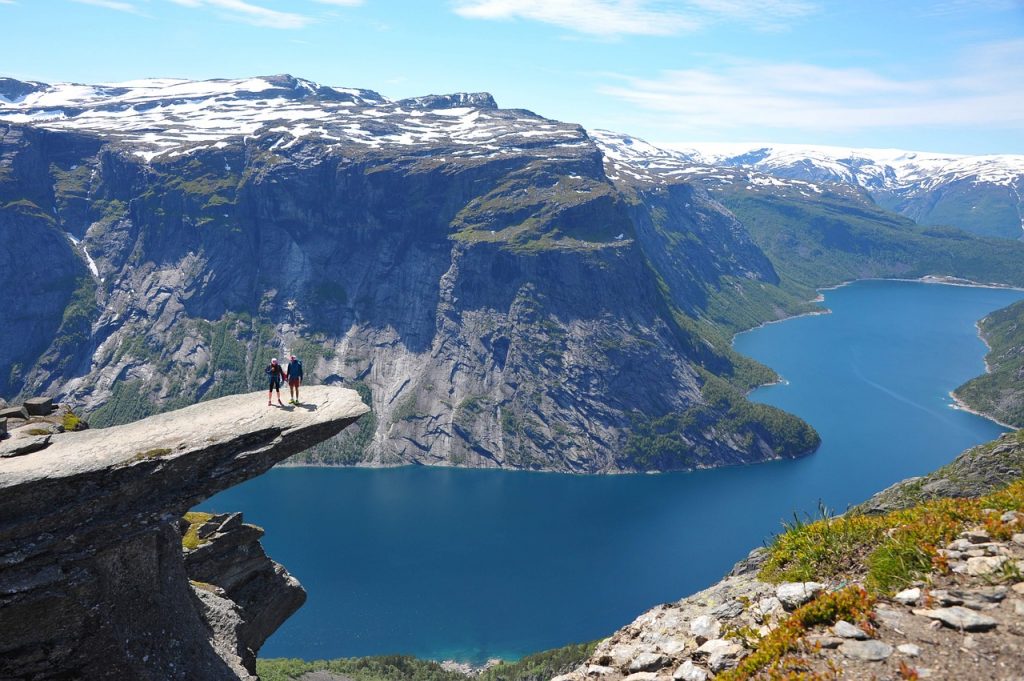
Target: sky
{"points": [[945, 75]]}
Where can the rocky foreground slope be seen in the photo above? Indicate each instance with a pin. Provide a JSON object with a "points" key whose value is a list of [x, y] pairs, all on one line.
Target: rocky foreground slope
{"points": [[93, 580], [915, 583]]}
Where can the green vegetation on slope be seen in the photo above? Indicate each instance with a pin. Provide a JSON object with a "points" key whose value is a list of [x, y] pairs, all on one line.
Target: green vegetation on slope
{"points": [[1000, 392], [888, 551], [821, 240], [684, 440], [538, 667]]}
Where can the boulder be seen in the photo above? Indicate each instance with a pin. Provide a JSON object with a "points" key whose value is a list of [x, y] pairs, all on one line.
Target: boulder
{"points": [[959, 617], [872, 651], [908, 596], [794, 594], [3, 427], [704, 628], [647, 662], [39, 406], [844, 629], [14, 413], [688, 671]]}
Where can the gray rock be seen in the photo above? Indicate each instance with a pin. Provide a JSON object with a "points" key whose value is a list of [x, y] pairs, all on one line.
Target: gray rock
{"points": [[642, 676], [829, 642], [14, 413], [872, 651], [909, 649], [688, 671], [646, 662], [989, 594], [20, 446], [39, 406], [727, 611], [908, 596], [958, 617], [119, 492], [599, 670], [3, 427], [1009, 517], [984, 565], [721, 654], [844, 629], [1018, 538], [976, 536], [704, 628], [794, 594]]}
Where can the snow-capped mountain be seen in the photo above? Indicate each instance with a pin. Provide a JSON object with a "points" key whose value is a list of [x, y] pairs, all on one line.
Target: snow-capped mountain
{"points": [[978, 193], [175, 116]]}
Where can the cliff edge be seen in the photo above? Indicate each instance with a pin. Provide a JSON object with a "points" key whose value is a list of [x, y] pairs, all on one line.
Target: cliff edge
{"points": [[93, 578]]}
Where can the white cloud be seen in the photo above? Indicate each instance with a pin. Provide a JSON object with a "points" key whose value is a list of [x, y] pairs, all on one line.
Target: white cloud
{"points": [[117, 5], [249, 13], [343, 3], [638, 17], [7, 2], [791, 96]]}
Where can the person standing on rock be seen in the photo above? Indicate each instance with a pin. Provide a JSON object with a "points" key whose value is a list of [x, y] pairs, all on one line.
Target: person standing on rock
{"points": [[294, 375], [275, 373]]}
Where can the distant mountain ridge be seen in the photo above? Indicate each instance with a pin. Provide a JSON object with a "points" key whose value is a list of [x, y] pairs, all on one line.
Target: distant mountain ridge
{"points": [[981, 194]]}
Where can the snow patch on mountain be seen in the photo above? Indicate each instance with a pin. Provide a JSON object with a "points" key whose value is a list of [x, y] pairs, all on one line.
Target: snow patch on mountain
{"points": [[176, 116]]}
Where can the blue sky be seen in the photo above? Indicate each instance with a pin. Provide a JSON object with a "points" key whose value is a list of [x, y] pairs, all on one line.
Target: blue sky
{"points": [[946, 75]]}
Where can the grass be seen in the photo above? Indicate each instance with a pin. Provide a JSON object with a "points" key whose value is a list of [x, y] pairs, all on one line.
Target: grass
{"points": [[148, 454], [888, 551], [776, 654], [196, 519]]}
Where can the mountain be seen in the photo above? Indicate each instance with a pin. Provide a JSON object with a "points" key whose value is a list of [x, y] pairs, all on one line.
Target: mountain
{"points": [[505, 290], [471, 270], [980, 194], [999, 392]]}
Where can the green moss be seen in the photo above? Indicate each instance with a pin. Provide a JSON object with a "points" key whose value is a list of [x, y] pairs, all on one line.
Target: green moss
{"points": [[38, 431], [70, 421], [190, 539]]}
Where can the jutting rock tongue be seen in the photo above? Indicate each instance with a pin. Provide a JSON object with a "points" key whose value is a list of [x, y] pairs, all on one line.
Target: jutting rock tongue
{"points": [[93, 580]]}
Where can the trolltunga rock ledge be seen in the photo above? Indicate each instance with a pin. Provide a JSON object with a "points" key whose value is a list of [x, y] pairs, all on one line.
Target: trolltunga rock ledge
{"points": [[93, 582]]}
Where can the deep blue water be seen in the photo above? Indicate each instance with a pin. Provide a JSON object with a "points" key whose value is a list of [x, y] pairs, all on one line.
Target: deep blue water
{"points": [[470, 564]]}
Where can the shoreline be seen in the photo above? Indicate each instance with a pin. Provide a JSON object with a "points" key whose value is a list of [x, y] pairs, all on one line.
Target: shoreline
{"points": [[960, 405]]}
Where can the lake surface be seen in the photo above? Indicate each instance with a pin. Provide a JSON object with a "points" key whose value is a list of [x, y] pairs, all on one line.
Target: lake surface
{"points": [[471, 564]]}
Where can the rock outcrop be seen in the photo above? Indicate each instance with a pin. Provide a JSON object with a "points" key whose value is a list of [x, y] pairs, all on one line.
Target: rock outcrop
{"points": [[93, 580]]}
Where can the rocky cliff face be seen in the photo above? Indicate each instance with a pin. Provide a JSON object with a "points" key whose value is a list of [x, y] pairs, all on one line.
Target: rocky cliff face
{"points": [[94, 583], [471, 270]]}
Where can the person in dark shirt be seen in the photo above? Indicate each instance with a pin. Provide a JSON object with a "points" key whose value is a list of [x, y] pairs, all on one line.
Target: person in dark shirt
{"points": [[294, 375], [275, 374]]}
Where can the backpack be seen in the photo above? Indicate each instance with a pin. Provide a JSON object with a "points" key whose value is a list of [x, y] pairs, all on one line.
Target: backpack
{"points": [[298, 364]]}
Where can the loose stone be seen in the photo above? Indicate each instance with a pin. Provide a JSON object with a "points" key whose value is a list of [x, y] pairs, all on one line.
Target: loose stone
{"points": [[908, 596], [642, 676], [984, 565], [872, 651], [1009, 517], [976, 536], [645, 662], [794, 594], [727, 611], [705, 628], [1018, 538], [844, 629], [599, 670], [959, 617], [688, 671], [909, 649]]}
